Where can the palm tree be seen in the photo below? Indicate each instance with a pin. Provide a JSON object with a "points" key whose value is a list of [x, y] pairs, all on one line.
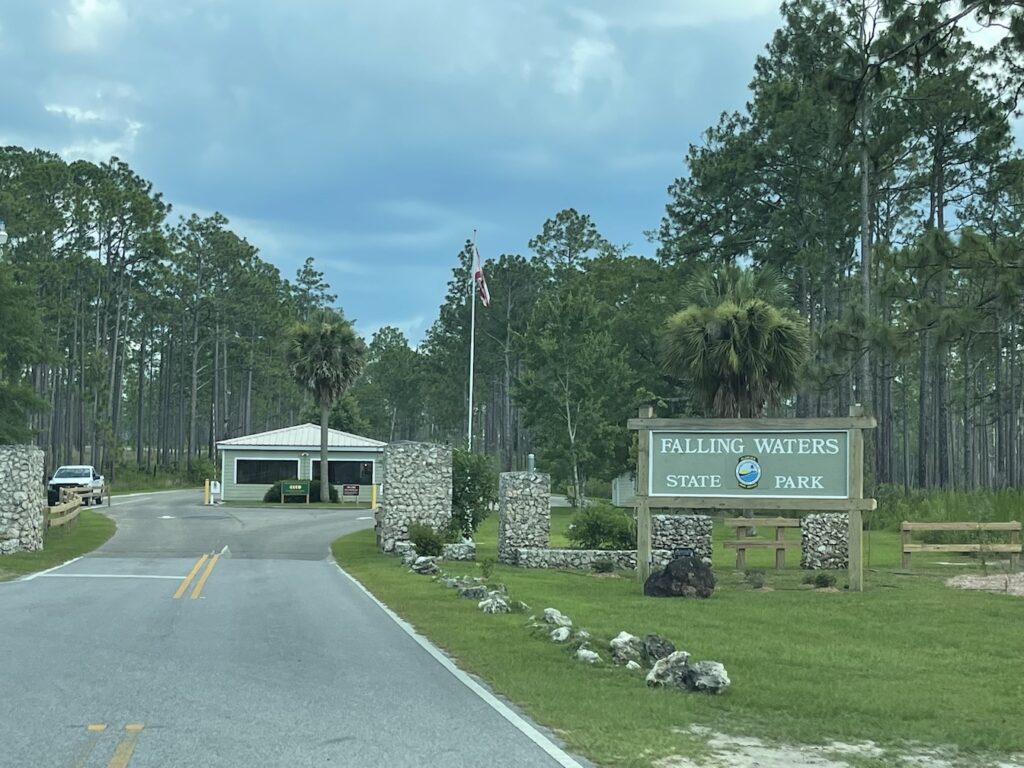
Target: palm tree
{"points": [[325, 356], [738, 344]]}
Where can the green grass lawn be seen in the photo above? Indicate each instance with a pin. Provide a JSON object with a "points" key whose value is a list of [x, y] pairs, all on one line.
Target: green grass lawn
{"points": [[907, 661], [91, 530]]}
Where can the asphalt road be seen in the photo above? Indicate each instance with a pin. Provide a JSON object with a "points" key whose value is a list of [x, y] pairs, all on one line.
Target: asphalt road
{"points": [[268, 656]]}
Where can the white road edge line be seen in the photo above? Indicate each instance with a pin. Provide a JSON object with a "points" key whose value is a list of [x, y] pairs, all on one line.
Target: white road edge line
{"points": [[108, 576], [50, 570], [553, 750]]}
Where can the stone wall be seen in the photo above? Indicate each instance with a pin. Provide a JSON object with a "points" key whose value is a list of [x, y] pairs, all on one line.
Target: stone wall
{"points": [[524, 513], [824, 541], [22, 499], [670, 532], [465, 550], [416, 488], [580, 559]]}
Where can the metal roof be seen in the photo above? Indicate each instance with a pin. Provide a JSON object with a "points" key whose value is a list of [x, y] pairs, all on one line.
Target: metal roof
{"points": [[303, 436]]}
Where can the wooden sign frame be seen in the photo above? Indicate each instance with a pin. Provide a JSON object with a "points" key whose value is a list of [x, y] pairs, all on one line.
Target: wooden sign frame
{"points": [[854, 505]]}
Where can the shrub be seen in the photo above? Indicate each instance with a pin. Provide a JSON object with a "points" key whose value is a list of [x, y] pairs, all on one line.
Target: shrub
{"points": [[602, 526], [203, 468], [755, 577], [487, 567], [604, 566], [474, 490], [821, 579], [274, 492], [598, 489], [935, 505], [427, 541]]}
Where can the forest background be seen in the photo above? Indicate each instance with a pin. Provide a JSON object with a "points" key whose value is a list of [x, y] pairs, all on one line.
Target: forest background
{"points": [[875, 169]]}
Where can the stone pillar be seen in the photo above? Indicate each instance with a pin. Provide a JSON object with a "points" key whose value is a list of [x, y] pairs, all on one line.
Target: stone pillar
{"points": [[823, 541], [671, 532], [524, 513], [22, 499], [416, 488]]}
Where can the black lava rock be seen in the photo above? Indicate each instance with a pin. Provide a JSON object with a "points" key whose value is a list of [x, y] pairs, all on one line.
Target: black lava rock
{"points": [[683, 577]]}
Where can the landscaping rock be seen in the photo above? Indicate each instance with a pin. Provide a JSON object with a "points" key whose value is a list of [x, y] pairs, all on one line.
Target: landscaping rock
{"points": [[582, 634], [465, 550], [559, 635], [632, 666], [587, 655], [475, 593], [669, 671], [556, 617], [626, 647], [656, 647], [683, 577], [426, 566], [403, 548], [494, 603], [449, 582], [706, 676]]}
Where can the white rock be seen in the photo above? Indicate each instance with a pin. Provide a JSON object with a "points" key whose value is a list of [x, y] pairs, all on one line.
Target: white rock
{"points": [[494, 604], [632, 666], [587, 655], [626, 647], [560, 635], [668, 671], [556, 617]]}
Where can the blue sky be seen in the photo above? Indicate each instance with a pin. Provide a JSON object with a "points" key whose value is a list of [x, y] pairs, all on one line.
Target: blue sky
{"points": [[375, 135]]}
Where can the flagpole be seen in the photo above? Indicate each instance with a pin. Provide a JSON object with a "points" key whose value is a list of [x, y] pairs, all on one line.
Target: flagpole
{"points": [[472, 345]]}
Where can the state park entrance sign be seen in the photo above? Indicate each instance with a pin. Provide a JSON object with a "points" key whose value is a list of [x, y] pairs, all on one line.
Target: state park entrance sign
{"points": [[792, 464]]}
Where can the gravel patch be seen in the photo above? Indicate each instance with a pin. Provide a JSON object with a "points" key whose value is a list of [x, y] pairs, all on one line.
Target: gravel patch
{"points": [[748, 752], [1005, 583]]}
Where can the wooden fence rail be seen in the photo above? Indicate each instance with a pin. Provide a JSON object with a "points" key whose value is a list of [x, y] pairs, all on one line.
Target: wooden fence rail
{"points": [[779, 544], [64, 513], [1011, 547]]}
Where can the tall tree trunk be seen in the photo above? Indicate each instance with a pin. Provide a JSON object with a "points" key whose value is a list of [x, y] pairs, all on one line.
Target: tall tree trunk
{"points": [[923, 413], [141, 397], [325, 475]]}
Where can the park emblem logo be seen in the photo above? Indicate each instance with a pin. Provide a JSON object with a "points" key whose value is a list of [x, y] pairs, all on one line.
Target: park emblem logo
{"points": [[748, 472]]}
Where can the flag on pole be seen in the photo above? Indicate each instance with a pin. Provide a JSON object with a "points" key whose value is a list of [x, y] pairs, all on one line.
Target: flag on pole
{"points": [[478, 278]]}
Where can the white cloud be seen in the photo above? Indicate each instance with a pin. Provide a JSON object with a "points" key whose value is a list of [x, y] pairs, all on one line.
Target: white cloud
{"points": [[74, 114], [672, 14], [89, 24], [100, 150], [588, 60], [96, 134]]}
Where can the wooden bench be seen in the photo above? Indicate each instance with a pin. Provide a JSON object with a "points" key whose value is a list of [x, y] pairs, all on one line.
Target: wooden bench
{"points": [[742, 543], [1012, 547]]}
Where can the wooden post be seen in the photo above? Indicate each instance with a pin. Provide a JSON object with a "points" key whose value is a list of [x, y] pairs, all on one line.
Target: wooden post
{"points": [[904, 554], [855, 540], [643, 508], [1014, 556], [741, 552], [780, 552]]}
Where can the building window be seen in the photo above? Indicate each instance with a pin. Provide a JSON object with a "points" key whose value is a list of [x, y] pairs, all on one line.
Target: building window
{"points": [[265, 471], [346, 472]]}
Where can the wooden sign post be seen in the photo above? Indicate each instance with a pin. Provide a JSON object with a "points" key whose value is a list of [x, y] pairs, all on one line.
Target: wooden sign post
{"points": [[785, 464]]}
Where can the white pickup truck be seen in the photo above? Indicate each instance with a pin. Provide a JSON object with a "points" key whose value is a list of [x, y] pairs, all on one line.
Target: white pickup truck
{"points": [[74, 476]]}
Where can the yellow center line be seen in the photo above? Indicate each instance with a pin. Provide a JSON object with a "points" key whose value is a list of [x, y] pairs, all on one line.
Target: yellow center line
{"points": [[191, 575], [204, 577], [94, 729], [124, 751]]}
